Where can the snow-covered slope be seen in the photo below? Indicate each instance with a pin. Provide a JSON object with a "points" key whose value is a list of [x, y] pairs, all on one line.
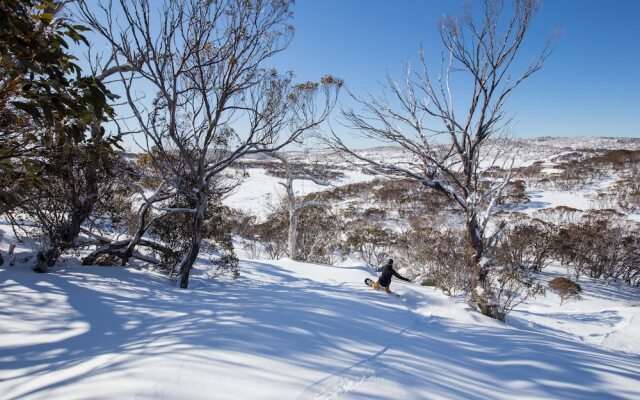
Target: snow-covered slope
{"points": [[607, 316], [259, 190], [289, 330]]}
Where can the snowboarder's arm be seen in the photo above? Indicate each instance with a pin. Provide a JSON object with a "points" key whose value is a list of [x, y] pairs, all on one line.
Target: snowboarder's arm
{"points": [[402, 278]]}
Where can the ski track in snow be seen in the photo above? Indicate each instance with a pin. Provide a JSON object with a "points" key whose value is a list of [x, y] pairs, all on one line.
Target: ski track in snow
{"points": [[369, 370]]}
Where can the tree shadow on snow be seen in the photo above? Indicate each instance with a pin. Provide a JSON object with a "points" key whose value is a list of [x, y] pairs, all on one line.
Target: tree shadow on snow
{"points": [[286, 318], [300, 322]]}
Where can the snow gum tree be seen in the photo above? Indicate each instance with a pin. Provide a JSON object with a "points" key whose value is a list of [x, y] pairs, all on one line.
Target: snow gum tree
{"points": [[210, 98], [295, 206], [453, 145], [54, 151]]}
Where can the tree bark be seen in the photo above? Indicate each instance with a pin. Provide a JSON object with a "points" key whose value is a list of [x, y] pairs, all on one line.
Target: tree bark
{"points": [[196, 239], [483, 300], [293, 234], [66, 235], [474, 231]]}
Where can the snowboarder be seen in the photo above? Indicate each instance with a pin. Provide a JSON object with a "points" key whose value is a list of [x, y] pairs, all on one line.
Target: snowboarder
{"points": [[387, 272]]}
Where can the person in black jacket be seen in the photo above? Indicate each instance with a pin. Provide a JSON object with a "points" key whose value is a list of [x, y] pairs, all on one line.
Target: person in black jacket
{"points": [[387, 272]]}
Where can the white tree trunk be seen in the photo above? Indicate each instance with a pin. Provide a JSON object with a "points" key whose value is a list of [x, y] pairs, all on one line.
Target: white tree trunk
{"points": [[293, 234]]}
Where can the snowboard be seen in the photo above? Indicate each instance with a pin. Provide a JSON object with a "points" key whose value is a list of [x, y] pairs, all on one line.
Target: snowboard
{"points": [[369, 283]]}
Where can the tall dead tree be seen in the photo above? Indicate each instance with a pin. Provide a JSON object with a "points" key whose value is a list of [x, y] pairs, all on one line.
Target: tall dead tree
{"points": [[453, 147], [212, 99], [295, 205]]}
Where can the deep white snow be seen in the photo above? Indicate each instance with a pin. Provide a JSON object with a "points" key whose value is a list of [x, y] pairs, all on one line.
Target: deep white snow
{"points": [[260, 191], [290, 330]]}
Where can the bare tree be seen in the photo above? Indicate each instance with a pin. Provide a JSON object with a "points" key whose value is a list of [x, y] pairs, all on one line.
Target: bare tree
{"points": [[294, 205], [213, 100], [453, 147]]}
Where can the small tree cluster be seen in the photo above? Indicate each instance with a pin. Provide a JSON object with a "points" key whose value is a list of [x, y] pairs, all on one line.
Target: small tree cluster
{"points": [[627, 190], [579, 171], [514, 193], [319, 233], [567, 289], [317, 239], [54, 153], [511, 285], [601, 246], [438, 258], [370, 240], [266, 237], [526, 243]]}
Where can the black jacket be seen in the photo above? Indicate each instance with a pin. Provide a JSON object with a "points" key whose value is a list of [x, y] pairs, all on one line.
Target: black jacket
{"points": [[387, 273]]}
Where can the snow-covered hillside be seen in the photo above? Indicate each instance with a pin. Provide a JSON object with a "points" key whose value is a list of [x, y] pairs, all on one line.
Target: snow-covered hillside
{"points": [[293, 330], [259, 190], [289, 330]]}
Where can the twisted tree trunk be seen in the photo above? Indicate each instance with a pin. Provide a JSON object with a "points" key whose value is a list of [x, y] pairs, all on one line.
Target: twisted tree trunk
{"points": [[196, 238]]}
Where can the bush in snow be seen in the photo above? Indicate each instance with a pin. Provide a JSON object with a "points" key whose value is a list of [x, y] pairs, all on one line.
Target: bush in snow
{"points": [[514, 193], [440, 258], [616, 160], [565, 288], [244, 226], [525, 243], [73, 182], [370, 240], [531, 174], [218, 230], [319, 232], [300, 170], [576, 173], [116, 209], [269, 236], [175, 231], [451, 266], [523, 249], [226, 264], [509, 286], [627, 190], [605, 200], [601, 246], [559, 217]]}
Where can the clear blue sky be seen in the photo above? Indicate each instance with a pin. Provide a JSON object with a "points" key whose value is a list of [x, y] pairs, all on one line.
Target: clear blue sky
{"points": [[590, 86]]}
